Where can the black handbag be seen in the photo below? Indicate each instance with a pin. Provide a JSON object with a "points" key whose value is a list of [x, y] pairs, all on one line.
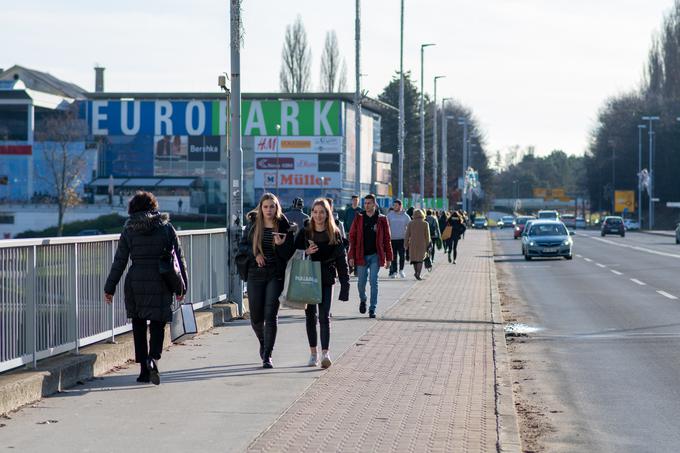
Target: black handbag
{"points": [[241, 260], [170, 269]]}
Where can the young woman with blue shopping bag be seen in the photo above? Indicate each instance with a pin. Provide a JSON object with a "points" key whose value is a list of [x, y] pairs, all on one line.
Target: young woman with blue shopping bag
{"points": [[322, 242]]}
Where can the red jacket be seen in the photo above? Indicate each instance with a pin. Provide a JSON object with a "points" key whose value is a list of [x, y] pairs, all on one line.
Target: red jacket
{"points": [[356, 241]]}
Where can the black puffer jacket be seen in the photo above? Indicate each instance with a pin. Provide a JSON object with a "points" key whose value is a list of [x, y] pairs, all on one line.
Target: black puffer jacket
{"points": [[283, 252], [333, 258], [143, 239]]}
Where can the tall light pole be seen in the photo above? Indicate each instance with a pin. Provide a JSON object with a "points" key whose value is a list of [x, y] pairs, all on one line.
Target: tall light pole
{"points": [[463, 122], [434, 141], [357, 101], [640, 127], [612, 144], [422, 124], [445, 157], [401, 105], [650, 132]]}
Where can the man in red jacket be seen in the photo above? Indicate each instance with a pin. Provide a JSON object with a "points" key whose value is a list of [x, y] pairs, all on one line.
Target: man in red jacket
{"points": [[370, 248]]}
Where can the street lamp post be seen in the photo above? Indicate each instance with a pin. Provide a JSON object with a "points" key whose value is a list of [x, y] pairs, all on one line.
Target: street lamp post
{"points": [[401, 105], [650, 132], [640, 127], [445, 157], [357, 101], [463, 122], [434, 140], [422, 124], [612, 144]]}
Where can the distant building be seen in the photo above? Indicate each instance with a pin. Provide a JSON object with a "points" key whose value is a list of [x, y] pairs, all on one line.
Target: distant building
{"points": [[176, 144]]}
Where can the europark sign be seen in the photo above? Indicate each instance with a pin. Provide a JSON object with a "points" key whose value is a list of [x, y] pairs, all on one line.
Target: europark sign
{"points": [[269, 118]]}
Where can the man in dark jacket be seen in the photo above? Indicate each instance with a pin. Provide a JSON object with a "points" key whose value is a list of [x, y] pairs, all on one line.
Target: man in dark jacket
{"points": [[295, 214], [351, 211], [370, 248]]}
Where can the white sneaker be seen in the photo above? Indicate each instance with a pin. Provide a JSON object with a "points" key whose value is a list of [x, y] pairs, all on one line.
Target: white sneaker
{"points": [[313, 360], [326, 360], [402, 274], [393, 275]]}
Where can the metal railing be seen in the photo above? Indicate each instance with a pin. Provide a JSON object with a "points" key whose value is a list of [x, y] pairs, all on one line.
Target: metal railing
{"points": [[52, 291]]}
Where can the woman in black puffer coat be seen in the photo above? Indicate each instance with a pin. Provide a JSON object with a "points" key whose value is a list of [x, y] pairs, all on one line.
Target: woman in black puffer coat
{"points": [[146, 234], [267, 245]]}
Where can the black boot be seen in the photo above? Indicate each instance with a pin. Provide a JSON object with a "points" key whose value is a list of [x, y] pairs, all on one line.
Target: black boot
{"points": [[154, 375], [143, 374]]}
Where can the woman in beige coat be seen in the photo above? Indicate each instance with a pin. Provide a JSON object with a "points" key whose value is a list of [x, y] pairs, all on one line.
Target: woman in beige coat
{"points": [[417, 240]]}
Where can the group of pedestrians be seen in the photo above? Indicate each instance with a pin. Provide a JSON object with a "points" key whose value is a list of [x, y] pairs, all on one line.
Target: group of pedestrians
{"points": [[269, 242]]}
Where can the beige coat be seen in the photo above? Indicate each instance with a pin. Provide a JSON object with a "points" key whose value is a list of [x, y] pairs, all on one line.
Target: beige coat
{"points": [[417, 237]]}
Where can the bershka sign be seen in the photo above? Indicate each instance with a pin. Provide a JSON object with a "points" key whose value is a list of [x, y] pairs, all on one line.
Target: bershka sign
{"points": [[206, 148]]}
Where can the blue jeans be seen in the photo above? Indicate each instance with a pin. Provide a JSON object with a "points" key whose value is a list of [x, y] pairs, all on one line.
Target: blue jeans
{"points": [[362, 271]]}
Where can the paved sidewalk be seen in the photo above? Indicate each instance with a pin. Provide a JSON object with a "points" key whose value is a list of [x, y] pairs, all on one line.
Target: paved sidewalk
{"points": [[421, 379]]}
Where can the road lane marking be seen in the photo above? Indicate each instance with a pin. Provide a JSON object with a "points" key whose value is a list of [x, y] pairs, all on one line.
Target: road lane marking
{"points": [[665, 294], [588, 259], [600, 265], [615, 272], [635, 280], [634, 247], [578, 256]]}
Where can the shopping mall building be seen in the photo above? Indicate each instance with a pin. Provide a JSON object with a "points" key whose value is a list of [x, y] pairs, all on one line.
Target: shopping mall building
{"points": [[176, 144]]}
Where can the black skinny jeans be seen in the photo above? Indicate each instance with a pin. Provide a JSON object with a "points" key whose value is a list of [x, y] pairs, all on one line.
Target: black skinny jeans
{"points": [[453, 245], [324, 319], [154, 347], [263, 301], [398, 249]]}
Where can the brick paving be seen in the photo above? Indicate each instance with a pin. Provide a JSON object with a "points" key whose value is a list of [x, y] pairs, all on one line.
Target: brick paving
{"points": [[421, 379]]}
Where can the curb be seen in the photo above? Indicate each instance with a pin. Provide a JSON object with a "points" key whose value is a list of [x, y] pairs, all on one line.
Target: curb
{"points": [[26, 386], [507, 421]]}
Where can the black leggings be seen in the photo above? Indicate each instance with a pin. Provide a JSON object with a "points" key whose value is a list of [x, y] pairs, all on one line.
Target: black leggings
{"points": [[154, 347], [453, 245], [324, 319], [263, 301]]}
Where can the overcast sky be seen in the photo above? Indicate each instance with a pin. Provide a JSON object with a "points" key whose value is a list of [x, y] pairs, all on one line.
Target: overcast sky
{"points": [[535, 72]]}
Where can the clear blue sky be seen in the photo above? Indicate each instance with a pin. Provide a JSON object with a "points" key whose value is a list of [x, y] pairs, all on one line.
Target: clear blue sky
{"points": [[535, 72]]}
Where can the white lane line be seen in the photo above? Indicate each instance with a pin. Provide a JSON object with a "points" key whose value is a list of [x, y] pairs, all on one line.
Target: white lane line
{"points": [[635, 280], [634, 247], [600, 265], [578, 256], [665, 294], [588, 259], [615, 272]]}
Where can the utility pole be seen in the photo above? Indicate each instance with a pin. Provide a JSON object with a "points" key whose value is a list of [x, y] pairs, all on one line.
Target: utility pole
{"points": [[650, 132], [445, 157], [401, 106], [357, 101], [422, 124], [235, 184], [463, 122], [434, 141], [640, 127]]}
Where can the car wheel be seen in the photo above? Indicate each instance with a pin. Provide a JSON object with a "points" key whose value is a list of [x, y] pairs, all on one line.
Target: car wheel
{"points": [[677, 241], [568, 257], [515, 238], [527, 257], [602, 234], [623, 235]]}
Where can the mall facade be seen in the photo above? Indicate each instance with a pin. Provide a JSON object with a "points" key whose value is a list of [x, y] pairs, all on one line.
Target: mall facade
{"points": [[176, 144]]}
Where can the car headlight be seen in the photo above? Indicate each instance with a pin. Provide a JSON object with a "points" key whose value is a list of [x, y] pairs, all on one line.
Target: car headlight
{"points": [[532, 243], [566, 242], [516, 228]]}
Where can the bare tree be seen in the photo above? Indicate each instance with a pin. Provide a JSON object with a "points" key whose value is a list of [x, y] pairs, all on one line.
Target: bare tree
{"points": [[333, 67], [296, 58], [61, 136]]}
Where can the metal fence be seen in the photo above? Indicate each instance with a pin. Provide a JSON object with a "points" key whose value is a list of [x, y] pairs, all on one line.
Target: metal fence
{"points": [[52, 291]]}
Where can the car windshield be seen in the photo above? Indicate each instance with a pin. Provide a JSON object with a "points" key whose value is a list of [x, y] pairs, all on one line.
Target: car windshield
{"points": [[508, 219], [521, 220], [613, 221], [547, 215], [551, 229]]}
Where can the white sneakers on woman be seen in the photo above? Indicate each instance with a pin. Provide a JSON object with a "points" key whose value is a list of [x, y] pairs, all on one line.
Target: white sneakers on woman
{"points": [[325, 360]]}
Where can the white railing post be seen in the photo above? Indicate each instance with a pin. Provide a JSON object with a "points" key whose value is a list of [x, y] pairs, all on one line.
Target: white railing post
{"points": [[31, 311], [76, 320]]}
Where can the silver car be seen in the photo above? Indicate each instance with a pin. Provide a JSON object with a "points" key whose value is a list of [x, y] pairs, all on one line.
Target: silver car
{"points": [[546, 239]]}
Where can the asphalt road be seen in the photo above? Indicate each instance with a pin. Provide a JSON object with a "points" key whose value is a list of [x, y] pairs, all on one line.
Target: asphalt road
{"points": [[609, 344]]}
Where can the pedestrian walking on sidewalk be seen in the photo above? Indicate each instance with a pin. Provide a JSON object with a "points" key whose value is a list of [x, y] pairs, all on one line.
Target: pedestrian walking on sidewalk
{"points": [[398, 220], [295, 216], [268, 244], [322, 241], [432, 221], [146, 236], [417, 241], [457, 230], [370, 248]]}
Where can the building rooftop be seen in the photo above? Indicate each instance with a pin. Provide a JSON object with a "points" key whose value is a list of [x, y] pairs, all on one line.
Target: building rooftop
{"points": [[43, 82]]}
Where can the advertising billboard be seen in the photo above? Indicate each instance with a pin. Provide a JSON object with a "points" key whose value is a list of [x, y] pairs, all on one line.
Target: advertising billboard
{"points": [[624, 201], [291, 118], [298, 171]]}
